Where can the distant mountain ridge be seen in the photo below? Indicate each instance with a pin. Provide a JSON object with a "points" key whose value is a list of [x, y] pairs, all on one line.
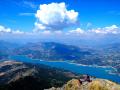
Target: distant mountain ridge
{"points": [[107, 55], [52, 51], [6, 49]]}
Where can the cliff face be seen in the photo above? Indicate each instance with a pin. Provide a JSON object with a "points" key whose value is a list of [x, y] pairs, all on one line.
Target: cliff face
{"points": [[97, 84]]}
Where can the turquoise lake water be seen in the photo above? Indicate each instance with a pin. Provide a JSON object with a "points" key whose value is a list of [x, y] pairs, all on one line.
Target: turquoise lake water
{"points": [[98, 72]]}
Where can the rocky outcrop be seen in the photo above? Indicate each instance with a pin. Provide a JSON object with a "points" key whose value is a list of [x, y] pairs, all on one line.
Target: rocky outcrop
{"points": [[97, 84], [27, 76], [13, 70]]}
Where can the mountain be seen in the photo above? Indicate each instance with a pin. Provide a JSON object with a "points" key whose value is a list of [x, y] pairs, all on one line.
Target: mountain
{"points": [[6, 49], [52, 51], [108, 55], [25, 76], [96, 84]]}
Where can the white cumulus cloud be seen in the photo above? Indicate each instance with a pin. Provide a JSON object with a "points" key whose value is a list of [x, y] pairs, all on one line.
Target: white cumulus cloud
{"points": [[77, 31], [114, 29], [4, 30], [55, 16]]}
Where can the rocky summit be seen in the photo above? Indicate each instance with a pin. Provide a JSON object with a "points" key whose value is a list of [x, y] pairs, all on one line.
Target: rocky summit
{"points": [[97, 84]]}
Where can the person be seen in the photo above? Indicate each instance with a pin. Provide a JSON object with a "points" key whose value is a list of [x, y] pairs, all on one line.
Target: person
{"points": [[80, 81], [87, 78]]}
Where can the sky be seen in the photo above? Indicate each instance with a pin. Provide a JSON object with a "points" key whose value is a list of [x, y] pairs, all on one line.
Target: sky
{"points": [[20, 14], [66, 17]]}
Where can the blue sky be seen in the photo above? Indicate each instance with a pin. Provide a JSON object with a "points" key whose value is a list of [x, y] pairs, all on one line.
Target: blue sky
{"points": [[20, 14]]}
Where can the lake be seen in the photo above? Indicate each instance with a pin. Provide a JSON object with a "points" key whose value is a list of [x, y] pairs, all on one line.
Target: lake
{"points": [[99, 72]]}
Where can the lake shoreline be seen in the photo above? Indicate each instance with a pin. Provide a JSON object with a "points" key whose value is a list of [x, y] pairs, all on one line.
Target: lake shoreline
{"points": [[98, 72], [113, 72]]}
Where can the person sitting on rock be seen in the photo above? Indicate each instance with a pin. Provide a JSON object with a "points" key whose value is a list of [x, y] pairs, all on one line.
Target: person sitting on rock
{"points": [[80, 81], [87, 78]]}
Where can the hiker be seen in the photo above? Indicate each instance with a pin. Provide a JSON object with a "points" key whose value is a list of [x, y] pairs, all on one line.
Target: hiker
{"points": [[80, 81], [87, 78]]}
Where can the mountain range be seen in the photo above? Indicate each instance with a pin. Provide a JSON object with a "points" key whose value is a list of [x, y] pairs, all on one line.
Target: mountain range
{"points": [[16, 75], [107, 55]]}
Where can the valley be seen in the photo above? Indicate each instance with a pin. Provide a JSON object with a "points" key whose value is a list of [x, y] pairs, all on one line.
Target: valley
{"points": [[107, 57]]}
